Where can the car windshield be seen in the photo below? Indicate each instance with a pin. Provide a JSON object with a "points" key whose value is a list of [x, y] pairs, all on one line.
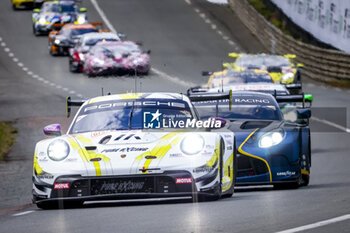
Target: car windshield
{"points": [[93, 41], [49, 7], [261, 61], [67, 8], [242, 110], [232, 77], [116, 49], [126, 115], [76, 32]]}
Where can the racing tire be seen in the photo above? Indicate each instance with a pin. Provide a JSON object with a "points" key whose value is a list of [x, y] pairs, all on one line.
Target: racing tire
{"points": [[60, 205], [72, 68], [217, 195], [235, 167], [47, 205], [36, 32], [14, 7]]}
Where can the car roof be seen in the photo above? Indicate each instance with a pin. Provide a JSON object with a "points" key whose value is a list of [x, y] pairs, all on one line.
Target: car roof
{"points": [[78, 26], [97, 35], [116, 43], [136, 96]]}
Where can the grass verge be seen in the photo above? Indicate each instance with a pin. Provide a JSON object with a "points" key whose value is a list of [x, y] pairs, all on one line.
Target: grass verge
{"points": [[269, 15], [7, 138]]}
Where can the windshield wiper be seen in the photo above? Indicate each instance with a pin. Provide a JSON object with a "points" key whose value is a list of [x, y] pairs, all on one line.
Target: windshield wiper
{"points": [[131, 114]]}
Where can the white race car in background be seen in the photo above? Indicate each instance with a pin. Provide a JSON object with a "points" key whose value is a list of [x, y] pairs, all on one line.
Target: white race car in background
{"points": [[127, 146]]}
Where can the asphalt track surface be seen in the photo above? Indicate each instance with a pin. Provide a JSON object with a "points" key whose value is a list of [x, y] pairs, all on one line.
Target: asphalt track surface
{"points": [[185, 39]]}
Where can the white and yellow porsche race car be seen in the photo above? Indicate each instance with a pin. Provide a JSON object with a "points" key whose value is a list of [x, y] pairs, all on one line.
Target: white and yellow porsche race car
{"points": [[134, 146]]}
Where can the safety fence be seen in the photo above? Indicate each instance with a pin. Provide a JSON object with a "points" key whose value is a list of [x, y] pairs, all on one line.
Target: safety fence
{"points": [[320, 64]]}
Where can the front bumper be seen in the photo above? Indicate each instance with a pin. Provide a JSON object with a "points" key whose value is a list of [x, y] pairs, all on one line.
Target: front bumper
{"points": [[167, 184]]}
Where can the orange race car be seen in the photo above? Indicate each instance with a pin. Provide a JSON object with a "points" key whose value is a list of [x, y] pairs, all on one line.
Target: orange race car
{"points": [[60, 41]]}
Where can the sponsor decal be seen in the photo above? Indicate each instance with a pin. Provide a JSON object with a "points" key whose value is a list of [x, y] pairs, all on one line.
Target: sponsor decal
{"points": [[152, 120], [45, 176], [183, 180], [44, 159], [126, 137], [150, 157], [123, 186], [204, 169], [98, 133], [125, 149], [123, 103], [71, 159], [156, 120], [123, 156], [229, 148], [95, 159], [286, 173], [61, 186], [251, 101], [175, 155]]}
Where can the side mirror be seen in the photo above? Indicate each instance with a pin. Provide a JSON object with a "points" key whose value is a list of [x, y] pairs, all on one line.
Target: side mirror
{"points": [[207, 73], [139, 43], [218, 123], [226, 65], [308, 97], [290, 56], [304, 113], [53, 130], [300, 65], [36, 10], [121, 35], [234, 55], [82, 10], [148, 51]]}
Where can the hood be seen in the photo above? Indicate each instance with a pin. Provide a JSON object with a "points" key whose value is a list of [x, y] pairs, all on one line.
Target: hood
{"points": [[124, 152], [244, 127]]}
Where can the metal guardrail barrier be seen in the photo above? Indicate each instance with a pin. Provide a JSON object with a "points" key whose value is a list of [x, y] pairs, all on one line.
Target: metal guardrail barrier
{"points": [[321, 64]]}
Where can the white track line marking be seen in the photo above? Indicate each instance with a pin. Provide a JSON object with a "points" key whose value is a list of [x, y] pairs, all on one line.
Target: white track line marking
{"points": [[103, 16], [213, 26], [6, 50], [23, 213], [160, 73], [10, 54], [15, 59], [20, 64], [173, 78], [331, 124], [188, 2], [3, 44], [317, 224]]}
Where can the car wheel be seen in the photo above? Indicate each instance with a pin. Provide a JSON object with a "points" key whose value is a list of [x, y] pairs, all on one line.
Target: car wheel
{"points": [[234, 164], [35, 32], [47, 205], [14, 7], [72, 68]]}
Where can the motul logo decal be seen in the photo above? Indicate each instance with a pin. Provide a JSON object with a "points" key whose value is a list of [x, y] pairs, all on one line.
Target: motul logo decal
{"points": [[61, 186], [183, 180]]}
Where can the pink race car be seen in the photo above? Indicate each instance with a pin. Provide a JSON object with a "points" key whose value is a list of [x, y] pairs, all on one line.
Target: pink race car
{"points": [[116, 58]]}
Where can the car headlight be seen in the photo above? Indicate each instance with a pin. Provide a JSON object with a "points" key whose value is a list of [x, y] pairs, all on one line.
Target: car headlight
{"points": [[291, 116], [57, 41], [81, 20], [271, 139], [98, 61], [287, 76], [192, 144], [42, 20], [58, 150], [81, 56]]}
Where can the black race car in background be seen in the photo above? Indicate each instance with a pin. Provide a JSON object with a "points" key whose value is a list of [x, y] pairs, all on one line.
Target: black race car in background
{"points": [[53, 13], [271, 150], [83, 46]]}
